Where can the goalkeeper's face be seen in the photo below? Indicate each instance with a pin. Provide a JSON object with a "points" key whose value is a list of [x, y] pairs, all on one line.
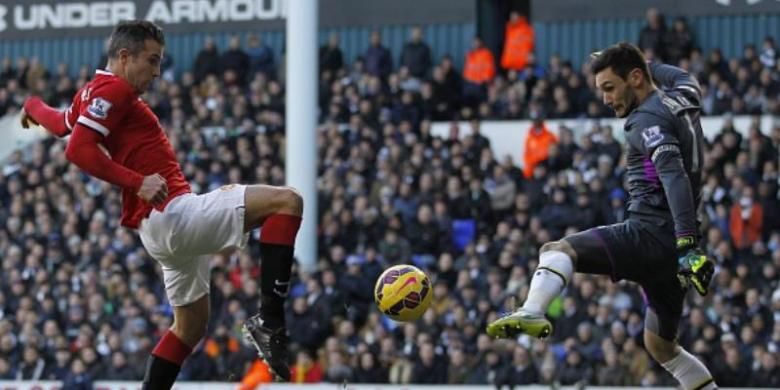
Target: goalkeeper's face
{"points": [[143, 67], [618, 94]]}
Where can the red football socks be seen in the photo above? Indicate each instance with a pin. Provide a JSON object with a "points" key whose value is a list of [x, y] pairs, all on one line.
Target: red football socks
{"points": [[172, 349]]}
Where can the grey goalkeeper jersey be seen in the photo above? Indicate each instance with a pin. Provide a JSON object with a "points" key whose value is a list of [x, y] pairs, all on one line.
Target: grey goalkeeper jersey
{"points": [[665, 144]]}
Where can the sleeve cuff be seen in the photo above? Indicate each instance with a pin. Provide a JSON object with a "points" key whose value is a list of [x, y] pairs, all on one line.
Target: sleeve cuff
{"points": [[136, 182]]}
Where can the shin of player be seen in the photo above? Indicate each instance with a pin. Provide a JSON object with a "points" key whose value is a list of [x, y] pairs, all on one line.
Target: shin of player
{"points": [[278, 211], [553, 273], [277, 241]]}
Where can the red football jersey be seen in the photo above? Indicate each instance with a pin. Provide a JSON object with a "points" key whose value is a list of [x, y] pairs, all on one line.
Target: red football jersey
{"points": [[132, 135]]}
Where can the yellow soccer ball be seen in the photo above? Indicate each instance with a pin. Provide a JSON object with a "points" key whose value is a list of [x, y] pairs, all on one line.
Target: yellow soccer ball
{"points": [[403, 292]]}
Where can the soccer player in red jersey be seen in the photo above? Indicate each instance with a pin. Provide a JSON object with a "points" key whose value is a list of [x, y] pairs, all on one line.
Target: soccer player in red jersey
{"points": [[179, 229]]}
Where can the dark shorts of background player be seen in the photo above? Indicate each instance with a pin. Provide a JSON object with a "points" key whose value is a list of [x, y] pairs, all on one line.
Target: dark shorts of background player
{"points": [[642, 251]]}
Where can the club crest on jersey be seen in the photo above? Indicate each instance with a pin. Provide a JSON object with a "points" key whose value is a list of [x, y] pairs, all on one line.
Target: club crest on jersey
{"points": [[652, 136], [99, 107]]}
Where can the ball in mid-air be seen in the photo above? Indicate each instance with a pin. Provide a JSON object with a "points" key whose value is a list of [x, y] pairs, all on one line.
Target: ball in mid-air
{"points": [[403, 292]]}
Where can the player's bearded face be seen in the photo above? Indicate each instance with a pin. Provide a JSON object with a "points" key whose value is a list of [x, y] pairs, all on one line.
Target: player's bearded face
{"points": [[618, 94], [144, 67]]}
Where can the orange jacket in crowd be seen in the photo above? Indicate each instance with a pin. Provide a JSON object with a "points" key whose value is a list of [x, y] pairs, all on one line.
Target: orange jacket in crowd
{"points": [[258, 373], [537, 146], [480, 66], [518, 44], [744, 232]]}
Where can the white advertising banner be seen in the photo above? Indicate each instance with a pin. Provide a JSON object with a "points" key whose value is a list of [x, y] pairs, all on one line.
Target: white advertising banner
{"points": [[508, 137]]}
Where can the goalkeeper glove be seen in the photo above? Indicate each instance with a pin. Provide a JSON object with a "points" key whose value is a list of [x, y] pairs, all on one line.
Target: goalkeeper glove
{"points": [[694, 267]]}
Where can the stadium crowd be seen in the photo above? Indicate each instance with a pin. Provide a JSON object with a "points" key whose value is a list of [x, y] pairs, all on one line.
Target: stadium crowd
{"points": [[81, 300]]}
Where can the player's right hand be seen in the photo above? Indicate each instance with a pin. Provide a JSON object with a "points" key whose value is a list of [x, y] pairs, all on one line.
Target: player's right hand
{"points": [[26, 119], [154, 189]]}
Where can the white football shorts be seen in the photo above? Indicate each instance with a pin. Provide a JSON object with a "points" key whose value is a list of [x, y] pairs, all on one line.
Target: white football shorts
{"points": [[188, 232]]}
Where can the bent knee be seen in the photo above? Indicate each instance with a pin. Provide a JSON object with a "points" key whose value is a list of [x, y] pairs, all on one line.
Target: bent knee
{"points": [[190, 334], [561, 246], [293, 200], [660, 349]]}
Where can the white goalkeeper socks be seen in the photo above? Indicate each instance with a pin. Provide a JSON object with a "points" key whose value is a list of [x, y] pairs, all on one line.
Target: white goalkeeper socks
{"points": [[690, 372], [554, 271]]}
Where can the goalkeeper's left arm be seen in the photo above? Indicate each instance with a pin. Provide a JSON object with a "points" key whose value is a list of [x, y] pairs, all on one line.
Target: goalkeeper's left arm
{"points": [[694, 267]]}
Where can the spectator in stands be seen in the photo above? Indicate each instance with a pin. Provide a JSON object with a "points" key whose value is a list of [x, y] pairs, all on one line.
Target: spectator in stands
{"points": [[307, 370], [487, 369], [479, 69], [377, 57], [338, 370], [518, 42], [537, 142], [22, 67], [78, 379], [574, 369], [207, 61], [452, 80], [613, 372], [60, 367], [731, 370], [521, 370], [678, 41], [261, 57], [746, 220], [651, 37], [368, 371], [32, 366], [6, 370], [7, 72], [768, 374], [768, 53], [416, 54], [307, 328], [119, 370], [36, 74], [717, 65], [331, 56], [447, 88], [234, 60]]}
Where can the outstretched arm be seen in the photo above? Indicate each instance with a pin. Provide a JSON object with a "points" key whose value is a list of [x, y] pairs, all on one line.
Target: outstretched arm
{"points": [[35, 111]]}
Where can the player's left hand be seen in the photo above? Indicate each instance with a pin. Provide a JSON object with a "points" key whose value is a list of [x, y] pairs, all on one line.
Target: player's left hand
{"points": [[26, 120], [695, 268]]}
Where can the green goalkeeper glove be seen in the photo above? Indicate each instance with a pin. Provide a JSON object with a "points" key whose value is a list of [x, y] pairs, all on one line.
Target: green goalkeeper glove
{"points": [[694, 267]]}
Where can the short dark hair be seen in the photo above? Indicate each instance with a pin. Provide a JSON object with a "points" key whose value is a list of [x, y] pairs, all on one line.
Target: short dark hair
{"points": [[132, 35], [622, 58]]}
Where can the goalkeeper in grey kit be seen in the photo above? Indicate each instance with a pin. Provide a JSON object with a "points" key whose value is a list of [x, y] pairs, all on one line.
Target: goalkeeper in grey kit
{"points": [[657, 246]]}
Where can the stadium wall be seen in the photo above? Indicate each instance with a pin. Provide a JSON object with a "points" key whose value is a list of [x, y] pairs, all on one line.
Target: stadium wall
{"points": [[576, 39], [444, 38]]}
